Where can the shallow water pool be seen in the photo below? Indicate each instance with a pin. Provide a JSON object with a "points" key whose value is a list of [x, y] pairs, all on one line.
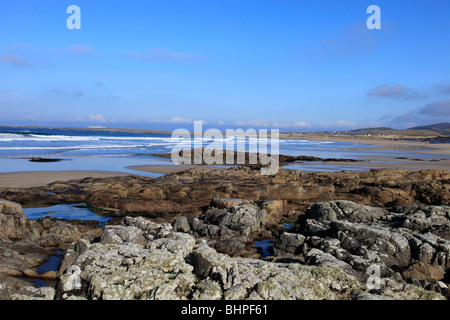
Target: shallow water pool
{"points": [[65, 211]]}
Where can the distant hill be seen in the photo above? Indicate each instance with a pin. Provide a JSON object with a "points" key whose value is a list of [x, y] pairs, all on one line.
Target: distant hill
{"points": [[429, 130], [379, 130], [441, 128]]}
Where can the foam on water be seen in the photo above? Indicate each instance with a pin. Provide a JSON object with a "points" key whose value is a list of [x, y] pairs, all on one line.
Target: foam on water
{"points": [[131, 148]]}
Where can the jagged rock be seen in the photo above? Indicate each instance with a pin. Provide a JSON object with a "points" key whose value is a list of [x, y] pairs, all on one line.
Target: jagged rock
{"points": [[12, 288], [151, 229], [391, 247], [421, 218], [274, 210], [236, 222], [319, 258], [13, 222], [344, 210], [355, 237], [122, 234], [181, 192], [25, 245], [230, 247], [228, 203], [289, 242], [422, 271], [181, 224], [175, 267]]}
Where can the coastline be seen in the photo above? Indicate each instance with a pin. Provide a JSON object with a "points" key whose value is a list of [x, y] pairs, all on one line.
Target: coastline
{"points": [[387, 142], [26, 179], [428, 156]]}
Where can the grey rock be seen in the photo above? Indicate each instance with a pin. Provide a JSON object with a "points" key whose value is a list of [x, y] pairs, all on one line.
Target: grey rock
{"points": [[237, 221], [151, 229], [344, 210], [353, 237], [122, 234], [289, 242], [176, 267], [13, 222], [228, 203], [181, 224]]}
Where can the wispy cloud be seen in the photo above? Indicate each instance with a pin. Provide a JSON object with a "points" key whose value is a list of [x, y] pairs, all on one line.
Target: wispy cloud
{"points": [[298, 124], [21, 46], [396, 91], [79, 49], [13, 59], [162, 54], [78, 93], [437, 109], [336, 125], [442, 88], [90, 118], [173, 120], [271, 124], [433, 112], [15, 96], [350, 40]]}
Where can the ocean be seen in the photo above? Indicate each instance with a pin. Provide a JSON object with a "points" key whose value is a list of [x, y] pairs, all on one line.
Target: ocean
{"points": [[114, 150]]}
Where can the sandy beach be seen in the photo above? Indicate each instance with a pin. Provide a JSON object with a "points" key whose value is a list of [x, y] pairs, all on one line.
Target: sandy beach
{"points": [[378, 142], [165, 169], [26, 179], [383, 162]]}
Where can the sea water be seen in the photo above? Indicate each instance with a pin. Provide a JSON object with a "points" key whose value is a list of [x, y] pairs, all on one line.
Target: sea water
{"points": [[115, 151], [65, 211]]}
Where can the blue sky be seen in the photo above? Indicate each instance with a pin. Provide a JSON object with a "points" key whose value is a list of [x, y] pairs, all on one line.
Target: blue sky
{"points": [[297, 65]]}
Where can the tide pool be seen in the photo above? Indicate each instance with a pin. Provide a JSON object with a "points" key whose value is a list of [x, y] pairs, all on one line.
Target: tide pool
{"points": [[65, 211]]}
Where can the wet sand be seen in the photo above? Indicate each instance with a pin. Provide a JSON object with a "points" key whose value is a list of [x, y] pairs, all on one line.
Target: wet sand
{"points": [[389, 143], [165, 169], [376, 163], [26, 179]]}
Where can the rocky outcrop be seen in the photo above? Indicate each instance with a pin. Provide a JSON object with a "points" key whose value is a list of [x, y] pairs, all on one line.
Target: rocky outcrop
{"points": [[174, 265], [404, 242], [12, 288], [25, 245], [394, 220], [13, 223], [229, 225], [239, 221], [185, 193], [243, 158]]}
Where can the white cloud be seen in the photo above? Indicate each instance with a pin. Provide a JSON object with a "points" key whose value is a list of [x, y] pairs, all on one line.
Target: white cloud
{"points": [[301, 124], [96, 118]]}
